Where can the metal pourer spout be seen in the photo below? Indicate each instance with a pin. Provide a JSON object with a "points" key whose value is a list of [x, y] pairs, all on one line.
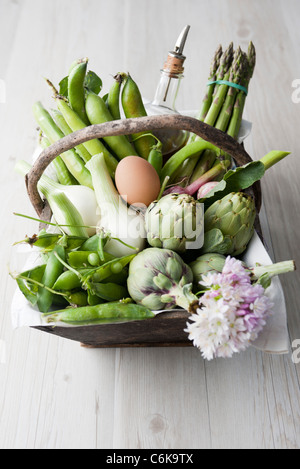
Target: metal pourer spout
{"points": [[180, 43], [175, 59]]}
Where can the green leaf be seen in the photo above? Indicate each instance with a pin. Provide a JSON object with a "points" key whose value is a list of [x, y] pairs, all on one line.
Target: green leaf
{"points": [[215, 241], [265, 280], [63, 87], [92, 82], [235, 180]]}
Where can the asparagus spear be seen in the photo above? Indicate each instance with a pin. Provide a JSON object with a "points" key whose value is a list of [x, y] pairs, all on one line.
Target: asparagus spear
{"points": [[220, 90], [212, 77], [241, 72], [237, 74], [238, 109], [219, 68], [228, 71]]}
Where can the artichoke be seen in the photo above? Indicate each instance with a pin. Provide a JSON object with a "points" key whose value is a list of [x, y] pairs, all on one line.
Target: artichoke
{"points": [[229, 224], [207, 263], [175, 222], [159, 279]]}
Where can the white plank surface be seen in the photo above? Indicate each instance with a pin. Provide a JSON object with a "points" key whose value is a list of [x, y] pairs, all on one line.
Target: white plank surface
{"points": [[55, 394]]}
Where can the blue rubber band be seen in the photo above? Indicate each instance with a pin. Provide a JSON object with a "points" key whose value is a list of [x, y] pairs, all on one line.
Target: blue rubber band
{"points": [[229, 83]]}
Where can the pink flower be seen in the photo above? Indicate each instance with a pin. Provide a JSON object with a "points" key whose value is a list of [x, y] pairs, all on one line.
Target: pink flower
{"points": [[231, 312]]}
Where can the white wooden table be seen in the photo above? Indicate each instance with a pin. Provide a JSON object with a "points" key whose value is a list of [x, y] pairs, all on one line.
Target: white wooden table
{"points": [[55, 394]]}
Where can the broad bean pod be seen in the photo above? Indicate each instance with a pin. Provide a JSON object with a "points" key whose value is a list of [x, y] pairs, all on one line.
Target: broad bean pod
{"points": [[98, 113], [133, 106], [76, 91]]}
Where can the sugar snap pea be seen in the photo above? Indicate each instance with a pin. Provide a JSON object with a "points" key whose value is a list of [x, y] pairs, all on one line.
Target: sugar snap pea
{"points": [[133, 106], [76, 91], [52, 271], [102, 313], [98, 113]]}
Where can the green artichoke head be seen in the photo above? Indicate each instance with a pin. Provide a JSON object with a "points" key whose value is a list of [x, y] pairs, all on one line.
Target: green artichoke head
{"points": [[205, 264], [159, 279], [231, 221], [175, 222]]}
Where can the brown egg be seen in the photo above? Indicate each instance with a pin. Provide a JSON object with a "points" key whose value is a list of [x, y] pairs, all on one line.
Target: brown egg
{"points": [[137, 181]]}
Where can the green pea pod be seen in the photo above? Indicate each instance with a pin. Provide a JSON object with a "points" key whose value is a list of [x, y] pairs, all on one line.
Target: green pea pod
{"points": [[93, 299], [53, 270], [76, 91], [72, 160], [155, 158], [133, 106], [66, 129], [109, 291], [119, 278], [47, 241], [98, 113], [113, 97], [98, 274], [29, 289], [102, 313], [66, 281], [94, 146], [78, 298], [80, 259], [95, 243]]}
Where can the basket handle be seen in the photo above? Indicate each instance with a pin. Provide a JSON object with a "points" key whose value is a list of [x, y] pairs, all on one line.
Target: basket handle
{"points": [[127, 127]]}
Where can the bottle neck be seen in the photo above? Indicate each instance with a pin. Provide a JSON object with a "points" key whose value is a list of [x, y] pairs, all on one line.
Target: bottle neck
{"points": [[167, 90]]}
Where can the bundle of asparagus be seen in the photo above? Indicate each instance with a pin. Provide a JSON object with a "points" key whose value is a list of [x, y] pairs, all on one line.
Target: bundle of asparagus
{"points": [[222, 105]]}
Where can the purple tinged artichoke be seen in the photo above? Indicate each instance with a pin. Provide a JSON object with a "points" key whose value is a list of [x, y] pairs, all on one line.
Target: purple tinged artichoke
{"points": [[159, 279]]}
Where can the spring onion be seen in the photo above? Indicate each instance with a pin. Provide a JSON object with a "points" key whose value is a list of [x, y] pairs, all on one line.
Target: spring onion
{"points": [[116, 217], [72, 205]]}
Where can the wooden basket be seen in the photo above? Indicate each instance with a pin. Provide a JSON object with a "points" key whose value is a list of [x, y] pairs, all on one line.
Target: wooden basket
{"points": [[166, 329]]}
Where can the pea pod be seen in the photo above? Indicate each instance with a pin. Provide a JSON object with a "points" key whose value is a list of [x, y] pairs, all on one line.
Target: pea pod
{"points": [[102, 313], [94, 146], [109, 291], [80, 259], [47, 241], [133, 106], [53, 270], [67, 280], [71, 159], [113, 97], [98, 274], [78, 298], [28, 288], [155, 158], [63, 174], [76, 91], [66, 129], [98, 113], [96, 243]]}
